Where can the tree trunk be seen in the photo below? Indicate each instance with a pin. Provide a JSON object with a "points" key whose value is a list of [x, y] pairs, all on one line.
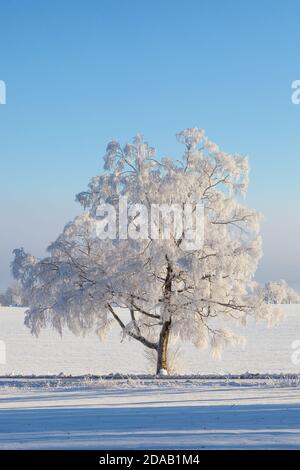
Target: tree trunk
{"points": [[162, 350]]}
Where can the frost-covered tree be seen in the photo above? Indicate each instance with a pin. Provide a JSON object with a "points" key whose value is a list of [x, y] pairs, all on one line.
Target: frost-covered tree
{"points": [[280, 293], [13, 296], [154, 288]]}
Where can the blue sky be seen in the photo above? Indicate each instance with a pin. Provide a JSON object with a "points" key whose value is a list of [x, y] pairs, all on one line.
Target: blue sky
{"points": [[81, 72]]}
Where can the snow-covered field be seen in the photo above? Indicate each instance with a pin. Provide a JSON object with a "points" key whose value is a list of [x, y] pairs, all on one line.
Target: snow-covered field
{"points": [[152, 415], [268, 350], [148, 413]]}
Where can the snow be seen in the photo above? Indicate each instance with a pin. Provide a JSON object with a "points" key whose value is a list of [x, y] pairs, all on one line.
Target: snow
{"points": [[155, 414], [267, 350], [146, 412]]}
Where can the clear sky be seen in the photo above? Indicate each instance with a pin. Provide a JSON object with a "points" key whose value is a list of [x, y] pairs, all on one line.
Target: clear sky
{"points": [[81, 72]]}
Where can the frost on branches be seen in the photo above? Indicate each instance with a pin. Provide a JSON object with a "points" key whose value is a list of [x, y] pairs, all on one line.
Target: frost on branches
{"points": [[13, 297], [153, 289], [280, 293]]}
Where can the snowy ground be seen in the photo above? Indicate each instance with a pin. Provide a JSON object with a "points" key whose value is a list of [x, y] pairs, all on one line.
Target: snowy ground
{"points": [[268, 350], [169, 414], [146, 413]]}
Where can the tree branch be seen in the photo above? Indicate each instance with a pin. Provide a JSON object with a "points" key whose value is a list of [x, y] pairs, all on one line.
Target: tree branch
{"points": [[138, 337]]}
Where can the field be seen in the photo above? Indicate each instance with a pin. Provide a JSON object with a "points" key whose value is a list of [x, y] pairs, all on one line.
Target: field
{"points": [[175, 414], [267, 350], [195, 412]]}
